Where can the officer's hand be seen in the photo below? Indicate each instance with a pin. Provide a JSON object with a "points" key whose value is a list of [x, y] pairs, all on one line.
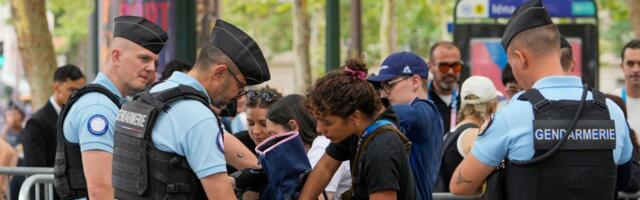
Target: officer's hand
{"points": [[251, 179]]}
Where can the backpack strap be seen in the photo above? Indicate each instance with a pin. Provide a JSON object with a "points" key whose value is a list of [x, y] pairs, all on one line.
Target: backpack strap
{"points": [[355, 166]]}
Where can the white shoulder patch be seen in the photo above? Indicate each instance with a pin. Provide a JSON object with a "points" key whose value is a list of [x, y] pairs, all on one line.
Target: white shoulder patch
{"points": [[98, 125]]}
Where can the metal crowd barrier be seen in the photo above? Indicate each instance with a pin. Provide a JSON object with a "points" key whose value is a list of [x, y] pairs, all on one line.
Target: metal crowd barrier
{"points": [[449, 196], [44, 179], [44, 176], [36, 176]]}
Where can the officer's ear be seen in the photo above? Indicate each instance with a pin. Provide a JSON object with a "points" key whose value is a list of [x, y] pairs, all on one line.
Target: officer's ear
{"points": [[518, 58], [218, 71], [355, 117], [115, 56]]}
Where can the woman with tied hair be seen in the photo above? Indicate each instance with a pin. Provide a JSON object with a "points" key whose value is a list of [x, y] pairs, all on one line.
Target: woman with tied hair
{"points": [[479, 101], [258, 103], [351, 115], [289, 114]]}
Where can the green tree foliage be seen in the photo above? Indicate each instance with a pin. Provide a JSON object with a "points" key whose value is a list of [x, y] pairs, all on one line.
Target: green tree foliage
{"points": [[268, 21], [615, 27], [71, 21]]}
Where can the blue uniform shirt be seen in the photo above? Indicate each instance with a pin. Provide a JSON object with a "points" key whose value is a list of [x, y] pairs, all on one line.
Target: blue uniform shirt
{"points": [[510, 134], [190, 129], [422, 124], [90, 121]]}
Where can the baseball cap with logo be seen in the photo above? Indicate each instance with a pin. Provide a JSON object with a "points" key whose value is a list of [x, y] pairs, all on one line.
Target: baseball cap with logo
{"points": [[401, 64], [480, 86]]}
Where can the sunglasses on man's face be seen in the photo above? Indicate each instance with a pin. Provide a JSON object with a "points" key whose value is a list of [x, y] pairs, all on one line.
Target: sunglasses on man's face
{"points": [[444, 67], [631, 63]]}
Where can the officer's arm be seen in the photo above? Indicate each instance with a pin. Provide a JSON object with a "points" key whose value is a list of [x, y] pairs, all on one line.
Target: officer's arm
{"points": [[97, 171], [237, 154], [319, 177], [218, 186], [469, 176]]}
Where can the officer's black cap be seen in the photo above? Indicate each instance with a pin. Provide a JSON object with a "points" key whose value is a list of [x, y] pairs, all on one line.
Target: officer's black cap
{"points": [[140, 31], [564, 43], [529, 15], [243, 50]]}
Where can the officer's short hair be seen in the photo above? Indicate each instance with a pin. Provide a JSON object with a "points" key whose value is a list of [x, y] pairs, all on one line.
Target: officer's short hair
{"points": [[566, 58], [67, 72], [210, 55], [540, 40], [633, 44]]}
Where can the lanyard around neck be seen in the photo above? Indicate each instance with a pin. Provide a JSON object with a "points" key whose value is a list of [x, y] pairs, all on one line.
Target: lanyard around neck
{"points": [[623, 94], [372, 127]]}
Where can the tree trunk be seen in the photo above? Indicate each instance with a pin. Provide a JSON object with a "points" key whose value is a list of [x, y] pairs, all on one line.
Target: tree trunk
{"points": [[355, 50], [301, 41], [387, 42], [210, 13], [36, 48], [634, 14]]}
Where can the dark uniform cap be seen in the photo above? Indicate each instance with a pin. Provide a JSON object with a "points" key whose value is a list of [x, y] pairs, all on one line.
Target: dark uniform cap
{"points": [[243, 50], [564, 43], [140, 31], [529, 15]]}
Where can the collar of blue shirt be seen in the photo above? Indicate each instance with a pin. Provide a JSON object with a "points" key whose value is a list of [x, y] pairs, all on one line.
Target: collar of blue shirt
{"points": [[103, 80], [558, 81]]}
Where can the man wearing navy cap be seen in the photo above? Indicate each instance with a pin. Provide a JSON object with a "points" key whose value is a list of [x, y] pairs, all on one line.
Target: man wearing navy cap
{"points": [[86, 124], [402, 79], [557, 140], [169, 143]]}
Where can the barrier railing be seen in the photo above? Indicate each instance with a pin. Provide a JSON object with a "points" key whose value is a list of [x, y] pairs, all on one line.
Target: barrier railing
{"points": [[44, 176], [38, 179], [35, 176], [449, 196]]}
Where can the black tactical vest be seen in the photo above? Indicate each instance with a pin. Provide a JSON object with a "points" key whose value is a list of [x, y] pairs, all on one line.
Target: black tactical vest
{"points": [[583, 167], [140, 170], [69, 177]]}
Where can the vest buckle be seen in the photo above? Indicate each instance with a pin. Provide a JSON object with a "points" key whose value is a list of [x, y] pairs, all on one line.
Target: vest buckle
{"points": [[174, 162], [541, 104]]}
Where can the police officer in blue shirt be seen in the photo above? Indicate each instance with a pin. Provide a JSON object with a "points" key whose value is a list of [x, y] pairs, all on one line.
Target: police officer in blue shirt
{"points": [[541, 161], [403, 80], [168, 142], [86, 124]]}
